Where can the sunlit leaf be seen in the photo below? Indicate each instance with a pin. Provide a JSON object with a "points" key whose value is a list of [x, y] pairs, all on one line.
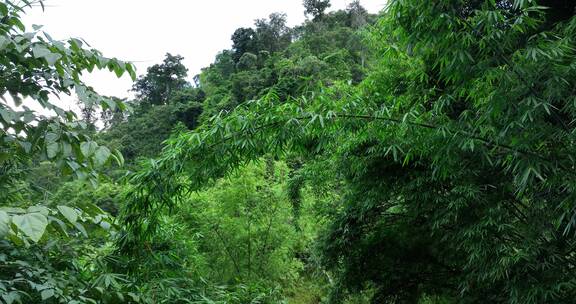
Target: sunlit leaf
{"points": [[32, 225]]}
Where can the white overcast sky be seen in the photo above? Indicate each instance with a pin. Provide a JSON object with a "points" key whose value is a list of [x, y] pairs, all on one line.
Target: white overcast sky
{"points": [[143, 31]]}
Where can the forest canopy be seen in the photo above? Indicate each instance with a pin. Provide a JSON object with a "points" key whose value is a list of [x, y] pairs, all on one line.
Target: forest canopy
{"points": [[421, 155]]}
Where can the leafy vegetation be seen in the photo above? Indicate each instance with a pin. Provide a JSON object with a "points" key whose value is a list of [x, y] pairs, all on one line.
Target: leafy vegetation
{"points": [[420, 156]]}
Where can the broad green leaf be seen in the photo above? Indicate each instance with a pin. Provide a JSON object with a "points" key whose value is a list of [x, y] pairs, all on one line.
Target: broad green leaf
{"points": [[69, 213], [40, 51], [29, 36], [66, 149], [51, 137], [134, 297], [40, 209], [88, 148], [4, 224], [4, 41], [14, 210], [81, 175], [75, 44], [131, 70], [52, 58], [11, 297], [119, 68], [102, 155], [7, 115], [47, 294], [103, 61], [32, 225], [52, 150], [81, 228], [105, 225], [26, 146], [110, 103]]}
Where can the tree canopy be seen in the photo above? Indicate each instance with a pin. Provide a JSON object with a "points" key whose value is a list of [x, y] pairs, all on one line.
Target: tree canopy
{"points": [[316, 8], [162, 80]]}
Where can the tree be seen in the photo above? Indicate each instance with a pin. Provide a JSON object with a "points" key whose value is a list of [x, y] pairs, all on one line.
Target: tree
{"points": [[243, 41], [161, 81], [273, 35], [244, 224], [357, 14], [316, 8]]}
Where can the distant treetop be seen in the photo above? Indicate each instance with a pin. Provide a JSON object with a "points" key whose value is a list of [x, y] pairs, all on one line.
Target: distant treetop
{"points": [[316, 8], [161, 80]]}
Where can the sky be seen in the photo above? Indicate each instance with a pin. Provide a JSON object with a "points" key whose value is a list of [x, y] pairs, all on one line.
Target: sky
{"points": [[143, 31]]}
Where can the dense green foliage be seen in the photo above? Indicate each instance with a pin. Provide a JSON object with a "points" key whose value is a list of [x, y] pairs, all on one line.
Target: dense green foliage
{"points": [[421, 156], [50, 250]]}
